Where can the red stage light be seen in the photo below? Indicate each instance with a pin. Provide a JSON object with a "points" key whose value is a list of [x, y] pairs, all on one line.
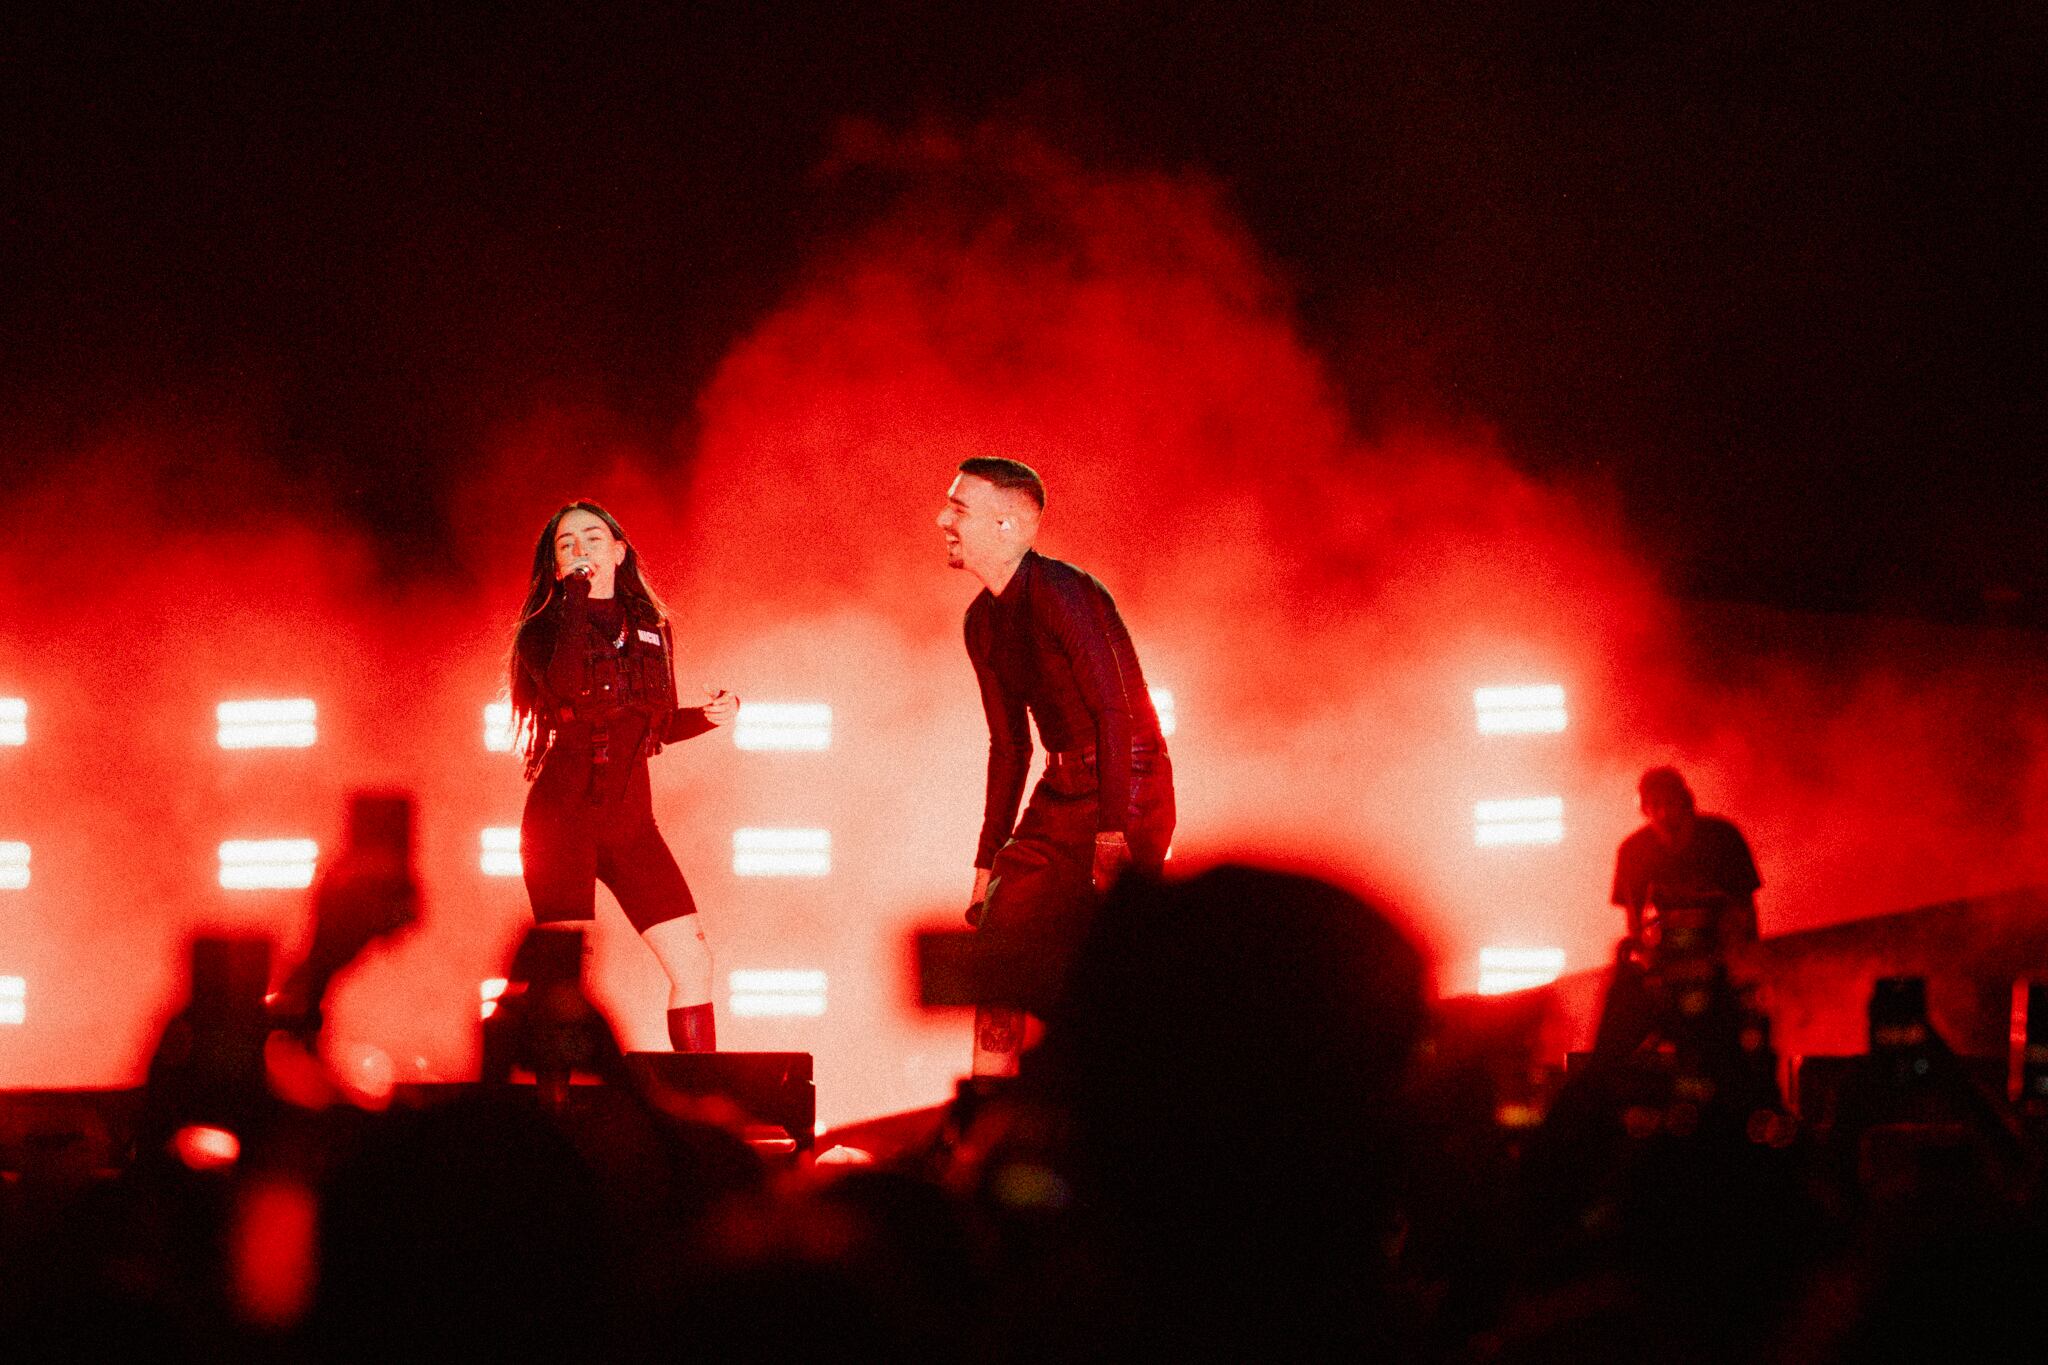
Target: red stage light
{"points": [[270, 1251]]}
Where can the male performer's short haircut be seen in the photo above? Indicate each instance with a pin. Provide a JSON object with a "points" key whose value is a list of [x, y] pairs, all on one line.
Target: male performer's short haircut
{"points": [[1014, 475]]}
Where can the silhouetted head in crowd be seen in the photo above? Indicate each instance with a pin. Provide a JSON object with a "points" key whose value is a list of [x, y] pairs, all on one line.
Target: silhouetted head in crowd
{"points": [[1234, 1050], [472, 1229]]}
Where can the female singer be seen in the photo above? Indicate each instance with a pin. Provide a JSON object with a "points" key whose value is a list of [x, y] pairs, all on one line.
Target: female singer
{"points": [[593, 697]]}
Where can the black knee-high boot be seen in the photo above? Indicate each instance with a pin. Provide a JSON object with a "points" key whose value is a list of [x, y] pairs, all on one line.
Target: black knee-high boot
{"points": [[690, 1029]]}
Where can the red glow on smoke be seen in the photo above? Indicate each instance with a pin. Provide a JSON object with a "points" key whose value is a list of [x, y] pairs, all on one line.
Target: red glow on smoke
{"points": [[1322, 605], [271, 1252]]}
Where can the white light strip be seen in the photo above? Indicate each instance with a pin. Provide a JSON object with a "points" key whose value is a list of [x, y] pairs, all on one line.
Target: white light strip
{"points": [[1518, 832], [803, 981], [498, 730], [1518, 698], [489, 992], [781, 852], [267, 864], [13, 1000], [1525, 820], [1503, 970], [1507, 983], [13, 721], [1162, 703], [13, 866], [1522, 959], [763, 1006], [792, 726], [500, 852], [765, 994], [1532, 710], [290, 723]]}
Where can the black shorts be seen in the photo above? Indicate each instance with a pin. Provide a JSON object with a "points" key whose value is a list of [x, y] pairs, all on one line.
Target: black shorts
{"points": [[567, 846]]}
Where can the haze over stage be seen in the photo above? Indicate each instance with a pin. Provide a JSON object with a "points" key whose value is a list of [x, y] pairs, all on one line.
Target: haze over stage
{"points": [[1376, 361]]}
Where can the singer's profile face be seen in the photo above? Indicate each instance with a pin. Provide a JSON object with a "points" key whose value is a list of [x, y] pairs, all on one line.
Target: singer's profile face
{"points": [[582, 536], [970, 522]]}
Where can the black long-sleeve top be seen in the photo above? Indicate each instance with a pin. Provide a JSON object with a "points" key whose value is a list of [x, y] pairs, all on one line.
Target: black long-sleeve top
{"points": [[557, 648], [1052, 646]]}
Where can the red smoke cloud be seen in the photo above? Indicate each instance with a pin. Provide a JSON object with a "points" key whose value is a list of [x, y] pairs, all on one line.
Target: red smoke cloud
{"points": [[1320, 604]]}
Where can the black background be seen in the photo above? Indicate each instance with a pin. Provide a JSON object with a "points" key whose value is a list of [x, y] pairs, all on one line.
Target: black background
{"points": [[1768, 274]]}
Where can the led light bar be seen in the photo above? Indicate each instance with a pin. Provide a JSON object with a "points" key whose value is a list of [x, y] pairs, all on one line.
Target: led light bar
{"points": [[267, 864], [783, 725], [1502, 970], [499, 732], [1526, 820], [13, 1000], [1535, 710], [1162, 703], [289, 723], [13, 722], [781, 852], [13, 866], [489, 993], [777, 994], [500, 855]]}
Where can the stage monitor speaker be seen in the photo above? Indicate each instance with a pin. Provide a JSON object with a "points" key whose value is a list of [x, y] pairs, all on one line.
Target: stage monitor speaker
{"points": [[774, 1087]]}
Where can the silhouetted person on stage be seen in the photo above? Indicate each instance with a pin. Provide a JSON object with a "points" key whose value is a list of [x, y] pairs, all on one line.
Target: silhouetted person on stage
{"points": [[594, 695], [1684, 860], [1048, 646]]}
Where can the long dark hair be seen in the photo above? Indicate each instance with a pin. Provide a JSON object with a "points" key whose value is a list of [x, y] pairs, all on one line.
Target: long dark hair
{"points": [[529, 729]]}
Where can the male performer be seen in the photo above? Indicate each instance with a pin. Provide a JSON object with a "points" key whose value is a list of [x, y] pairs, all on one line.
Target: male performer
{"points": [[1682, 860], [1045, 638]]}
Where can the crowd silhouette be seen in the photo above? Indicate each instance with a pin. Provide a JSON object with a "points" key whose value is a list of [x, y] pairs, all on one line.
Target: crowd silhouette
{"points": [[1250, 1133]]}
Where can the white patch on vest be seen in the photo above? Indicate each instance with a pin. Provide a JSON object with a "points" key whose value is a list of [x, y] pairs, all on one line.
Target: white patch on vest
{"points": [[651, 637]]}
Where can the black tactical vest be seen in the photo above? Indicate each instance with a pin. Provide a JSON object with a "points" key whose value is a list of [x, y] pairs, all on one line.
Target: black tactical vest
{"points": [[633, 674]]}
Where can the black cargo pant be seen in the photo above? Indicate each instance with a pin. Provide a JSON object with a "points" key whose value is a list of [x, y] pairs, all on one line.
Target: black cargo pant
{"points": [[1041, 890]]}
